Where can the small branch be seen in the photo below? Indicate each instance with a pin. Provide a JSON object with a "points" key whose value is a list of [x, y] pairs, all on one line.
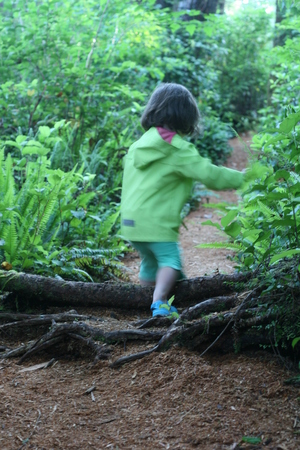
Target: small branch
{"points": [[35, 107], [89, 58], [125, 359], [26, 441], [24, 320]]}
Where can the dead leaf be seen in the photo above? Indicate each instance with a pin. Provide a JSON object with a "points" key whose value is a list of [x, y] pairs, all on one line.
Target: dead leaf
{"points": [[6, 265]]}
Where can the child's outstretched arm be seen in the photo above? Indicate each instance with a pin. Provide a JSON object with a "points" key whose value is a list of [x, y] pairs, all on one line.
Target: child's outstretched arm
{"points": [[212, 176]]}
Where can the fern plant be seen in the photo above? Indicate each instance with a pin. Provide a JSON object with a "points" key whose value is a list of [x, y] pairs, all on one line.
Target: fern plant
{"points": [[34, 202], [50, 222]]}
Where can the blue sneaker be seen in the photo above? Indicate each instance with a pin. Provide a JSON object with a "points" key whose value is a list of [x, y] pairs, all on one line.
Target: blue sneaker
{"points": [[159, 310]]}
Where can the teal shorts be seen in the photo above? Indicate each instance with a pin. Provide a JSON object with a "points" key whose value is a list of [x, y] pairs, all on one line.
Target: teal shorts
{"points": [[156, 255]]}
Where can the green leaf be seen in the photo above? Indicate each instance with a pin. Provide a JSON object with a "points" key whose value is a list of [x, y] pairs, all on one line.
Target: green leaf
{"points": [[213, 224], [251, 440], [45, 131], [12, 144], [285, 254], [78, 214], [21, 138], [35, 150], [289, 123], [274, 139], [228, 245], [282, 174], [229, 217], [191, 29], [233, 229], [295, 341]]}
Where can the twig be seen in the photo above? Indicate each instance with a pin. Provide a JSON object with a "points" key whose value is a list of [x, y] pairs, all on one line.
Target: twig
{"points": [[89, 58], [26, 441], [230, 321], [177, 423], [133, 357], [35, 107]]}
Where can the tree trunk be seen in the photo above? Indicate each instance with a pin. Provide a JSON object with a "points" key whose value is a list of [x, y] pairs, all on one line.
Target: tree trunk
{"points": [[41, 291], [280, 35], [222, 6], [203, 6]]}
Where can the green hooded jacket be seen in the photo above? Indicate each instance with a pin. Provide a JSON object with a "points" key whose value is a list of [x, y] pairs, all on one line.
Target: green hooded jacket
{"points": [[157, 182]]}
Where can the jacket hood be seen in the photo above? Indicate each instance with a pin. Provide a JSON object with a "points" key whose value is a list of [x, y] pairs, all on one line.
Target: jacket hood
{"points": [[149, 148]]}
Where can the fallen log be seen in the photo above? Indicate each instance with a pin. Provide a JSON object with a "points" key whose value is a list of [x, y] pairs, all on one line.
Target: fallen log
{"points": [[42, 291]]}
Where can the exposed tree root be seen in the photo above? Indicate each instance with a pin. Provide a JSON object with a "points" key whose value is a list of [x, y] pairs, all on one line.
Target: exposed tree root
{"points": [[87, 335], [220, 322], [26, 320]]}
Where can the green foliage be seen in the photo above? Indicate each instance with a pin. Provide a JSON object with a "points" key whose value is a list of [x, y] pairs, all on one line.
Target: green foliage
{"points": [[251, 440], [265, 226], [270, 206], [72, 60], [284, 93], [44, 211], [74, 77], [213, 140], [242, 67]]}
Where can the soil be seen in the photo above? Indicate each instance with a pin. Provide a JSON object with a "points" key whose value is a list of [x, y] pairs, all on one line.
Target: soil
{"points": [[170, 400]]}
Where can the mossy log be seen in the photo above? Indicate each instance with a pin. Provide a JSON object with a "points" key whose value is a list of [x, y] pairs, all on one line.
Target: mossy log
{"points": [[35, 290]]}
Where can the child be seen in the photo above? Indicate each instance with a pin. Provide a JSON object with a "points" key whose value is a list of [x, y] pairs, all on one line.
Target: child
{"points": [[158, 176]]}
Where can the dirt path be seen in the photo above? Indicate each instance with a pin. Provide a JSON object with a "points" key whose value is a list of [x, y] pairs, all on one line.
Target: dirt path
{"points": [[173, 400]]}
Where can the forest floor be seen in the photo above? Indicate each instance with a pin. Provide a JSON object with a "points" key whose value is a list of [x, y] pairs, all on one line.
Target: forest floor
{"points": [[169, 400]]}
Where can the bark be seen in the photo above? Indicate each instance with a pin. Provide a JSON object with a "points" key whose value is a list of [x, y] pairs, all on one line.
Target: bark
{"points": [[200, 327], [222, 6], [280, 35], [19, 321], [41, 291], [210, 331], [203, 6], [87, 335]]}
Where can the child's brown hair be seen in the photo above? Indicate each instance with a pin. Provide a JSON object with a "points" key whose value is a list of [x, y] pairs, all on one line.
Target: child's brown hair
{"points": [[172, 105]]}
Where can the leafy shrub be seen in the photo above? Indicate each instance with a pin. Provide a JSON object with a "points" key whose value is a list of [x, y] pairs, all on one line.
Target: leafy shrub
{"points": [[241, 62], [284, 80], [44, 210], [213, 140], [265, 226]]}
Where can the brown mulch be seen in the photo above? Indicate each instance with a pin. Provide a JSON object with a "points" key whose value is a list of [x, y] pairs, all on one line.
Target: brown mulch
{"points": [[170, 400]]}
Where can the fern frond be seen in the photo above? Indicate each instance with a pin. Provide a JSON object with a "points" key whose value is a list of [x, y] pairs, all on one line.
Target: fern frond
{"points": [[8, 185], [48, 207], [26, 224], [10, 235], [267, 211], [2, 171], [226, 245]]}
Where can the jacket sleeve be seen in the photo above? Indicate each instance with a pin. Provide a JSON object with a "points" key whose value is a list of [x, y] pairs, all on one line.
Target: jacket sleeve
{"points": [[192, 165]]}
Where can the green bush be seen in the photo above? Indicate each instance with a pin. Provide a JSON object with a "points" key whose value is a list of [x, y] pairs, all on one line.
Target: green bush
{"points": [[46, 212], [243, 42], [213, 140], [264, 228]]}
